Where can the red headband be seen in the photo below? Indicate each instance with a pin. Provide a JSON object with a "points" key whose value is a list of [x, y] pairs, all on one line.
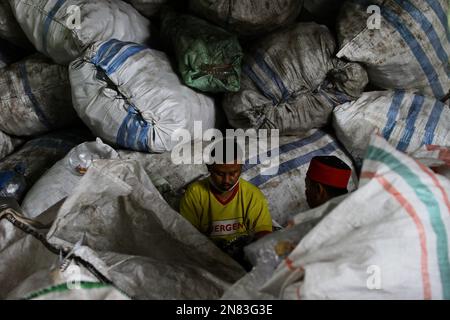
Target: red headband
{"points": [[329, 176]]}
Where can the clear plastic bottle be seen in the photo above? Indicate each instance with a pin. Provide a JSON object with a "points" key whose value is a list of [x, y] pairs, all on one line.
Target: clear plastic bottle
{"points": [[80, 159], [83, 156]]}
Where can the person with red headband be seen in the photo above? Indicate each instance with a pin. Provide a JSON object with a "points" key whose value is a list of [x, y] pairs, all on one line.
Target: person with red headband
{"points": [[327, 178]]}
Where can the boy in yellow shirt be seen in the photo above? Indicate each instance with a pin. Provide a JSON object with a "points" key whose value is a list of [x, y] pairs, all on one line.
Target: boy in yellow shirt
{"points": [[225, 207]]}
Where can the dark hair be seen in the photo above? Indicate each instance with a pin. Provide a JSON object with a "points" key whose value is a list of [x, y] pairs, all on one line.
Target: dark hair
{"points": [[336, 163], [226, 151]]}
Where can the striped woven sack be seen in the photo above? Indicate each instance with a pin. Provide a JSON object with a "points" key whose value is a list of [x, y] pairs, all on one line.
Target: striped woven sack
{"points": [[406, 120], [130, 96], [404, 44], [64, 29], [387, 240]]}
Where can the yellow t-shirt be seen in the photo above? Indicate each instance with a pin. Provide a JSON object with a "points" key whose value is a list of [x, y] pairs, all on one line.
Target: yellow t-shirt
{"points": [[246, 212]]}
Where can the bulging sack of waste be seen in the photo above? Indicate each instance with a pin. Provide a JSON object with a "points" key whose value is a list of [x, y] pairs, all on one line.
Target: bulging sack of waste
{"points": [[32, 269], [9, 28], [8, 144], [248, 17], [209, 58], [35, 97], [406, 120], [403, 44], [19, 171], [59, 182], [136, 240], [129, 95], [291, 82], [148, 8], [387, 240], [63, 29]]}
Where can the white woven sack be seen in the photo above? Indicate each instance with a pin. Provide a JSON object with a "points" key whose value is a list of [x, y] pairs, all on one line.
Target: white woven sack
{"points": [[408, 49], [63, 29], [387, 240], [129, 95], [405, 120]]}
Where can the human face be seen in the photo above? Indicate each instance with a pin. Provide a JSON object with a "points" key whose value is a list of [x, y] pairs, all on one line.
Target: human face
{"points": [[225, 176], [315, 194]]}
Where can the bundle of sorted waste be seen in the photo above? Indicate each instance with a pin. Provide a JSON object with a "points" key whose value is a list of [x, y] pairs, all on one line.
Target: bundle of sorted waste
{"points": [[63, 30], [208, 57], [292, 82], [403, 44], [129, 95]]}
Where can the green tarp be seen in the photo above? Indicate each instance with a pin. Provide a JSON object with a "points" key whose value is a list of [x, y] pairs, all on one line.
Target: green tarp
{"points": [[208, 57]]}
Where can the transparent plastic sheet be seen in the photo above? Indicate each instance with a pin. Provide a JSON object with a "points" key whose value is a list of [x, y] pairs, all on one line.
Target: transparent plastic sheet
{"points": [[165, 258], [60, 180]]}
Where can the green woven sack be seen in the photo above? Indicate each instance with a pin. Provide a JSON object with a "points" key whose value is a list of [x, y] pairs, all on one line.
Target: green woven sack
{"points": [[209, 58]]}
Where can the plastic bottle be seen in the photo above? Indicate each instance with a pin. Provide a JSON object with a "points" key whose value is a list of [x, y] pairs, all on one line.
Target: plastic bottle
{"points": [[80, 159]]}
